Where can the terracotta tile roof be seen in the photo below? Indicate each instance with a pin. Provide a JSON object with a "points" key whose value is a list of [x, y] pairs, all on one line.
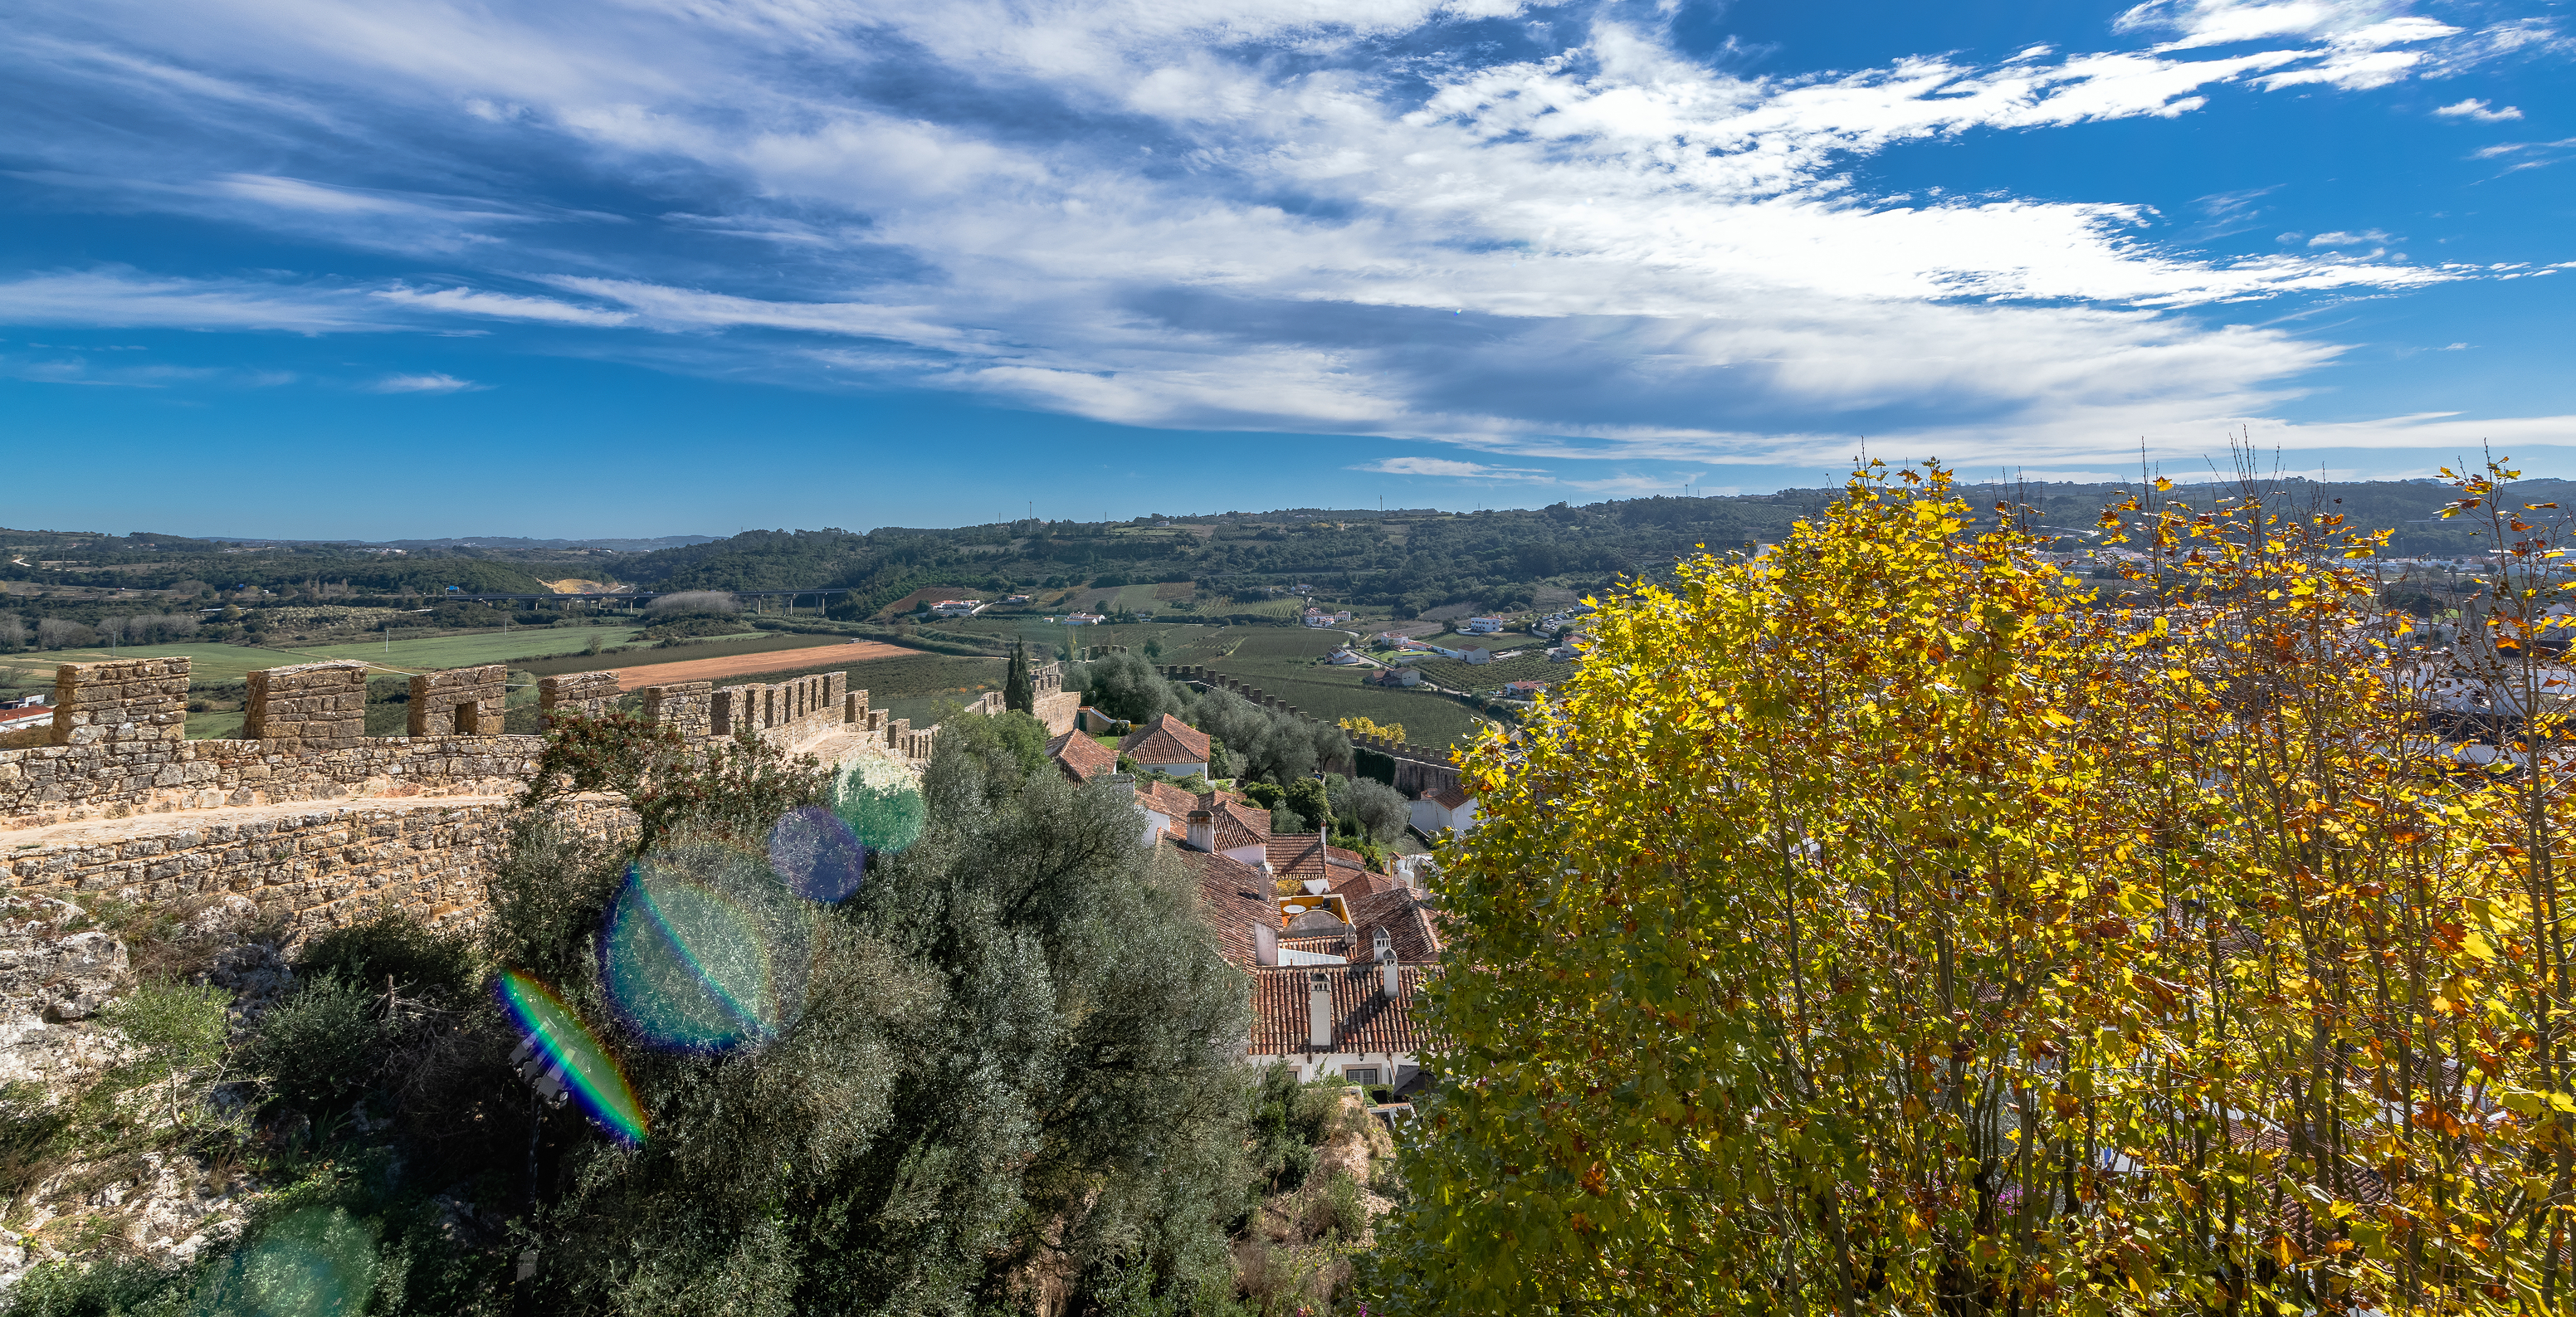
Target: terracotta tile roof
{"points": [[1356, 882], [1081, 758], [1169, 801], [1166, 740], [1336, 945], [1234, 833], [1363, 1019], [1239, 822], [1234, 898], [1450, 797], [1409, 928], [1300, 855]]}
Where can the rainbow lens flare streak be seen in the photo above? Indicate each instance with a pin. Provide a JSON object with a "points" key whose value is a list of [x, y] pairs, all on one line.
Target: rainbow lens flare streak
{"points": [[590, 1072], [705, 951]]}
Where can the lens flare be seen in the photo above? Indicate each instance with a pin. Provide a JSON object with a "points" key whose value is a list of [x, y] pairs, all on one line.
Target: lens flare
{"points": [[817, 855], [881, 803], [591, 1073], [316, 1262], [705, 951]]}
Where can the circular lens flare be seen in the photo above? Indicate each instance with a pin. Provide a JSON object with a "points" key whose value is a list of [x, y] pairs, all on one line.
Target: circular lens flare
{"points": [[316, 1262], [704, 951], [817, 855], [589, 1072], [881, 804]]}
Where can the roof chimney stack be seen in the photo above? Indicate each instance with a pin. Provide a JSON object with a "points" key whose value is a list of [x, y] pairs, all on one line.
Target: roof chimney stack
{"points": [[1319, 1011], [1390, 974], [1202, 830]]}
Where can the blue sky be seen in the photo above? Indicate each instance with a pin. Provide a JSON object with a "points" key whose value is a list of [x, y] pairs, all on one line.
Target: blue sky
{"points": [[407, 268]]}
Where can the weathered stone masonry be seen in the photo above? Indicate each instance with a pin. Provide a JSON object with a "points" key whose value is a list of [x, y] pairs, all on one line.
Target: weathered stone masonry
{"points": [[307, 815]]}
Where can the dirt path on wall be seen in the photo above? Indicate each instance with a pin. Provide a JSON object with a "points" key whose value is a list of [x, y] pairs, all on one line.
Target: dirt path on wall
{"points": [[769, 660]]}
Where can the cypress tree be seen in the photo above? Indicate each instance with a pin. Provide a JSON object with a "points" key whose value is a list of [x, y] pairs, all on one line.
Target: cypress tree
{"points": [[1019, 694]]}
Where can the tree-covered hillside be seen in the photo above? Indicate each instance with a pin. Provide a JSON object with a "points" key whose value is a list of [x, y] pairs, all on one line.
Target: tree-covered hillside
{"points": [[1409, 561]]}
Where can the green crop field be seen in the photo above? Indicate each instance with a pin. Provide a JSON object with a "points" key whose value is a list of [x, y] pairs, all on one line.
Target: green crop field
{"points": [[480, 647], [1535, 666], [214, 726], [1281, 661], [206, 663]]}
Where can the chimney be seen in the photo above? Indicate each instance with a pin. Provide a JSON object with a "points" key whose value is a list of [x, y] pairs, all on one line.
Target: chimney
{"points": [[1265, 945], [1390, 974], [1319, 1011], [1202, 830]]}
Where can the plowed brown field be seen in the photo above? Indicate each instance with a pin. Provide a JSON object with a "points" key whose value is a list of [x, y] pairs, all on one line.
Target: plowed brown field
{"points": [[770, 660]]}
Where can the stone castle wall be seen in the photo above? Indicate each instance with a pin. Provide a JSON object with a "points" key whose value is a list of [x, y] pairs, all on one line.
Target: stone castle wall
{"points": [[319, 865], [308, 816]]}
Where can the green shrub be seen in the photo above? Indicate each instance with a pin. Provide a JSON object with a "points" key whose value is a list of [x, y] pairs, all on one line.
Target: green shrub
{"points": [[180, 1030], [319, 1045], [420, 960], [101, 1287], [1342, 1214]]}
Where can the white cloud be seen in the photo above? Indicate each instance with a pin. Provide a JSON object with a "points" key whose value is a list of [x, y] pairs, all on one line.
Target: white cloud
{"points": [[1441, 466], [2338, 238], [124, 298], [435, 382], [2476, 109], [502, 306], [1244, 215]]}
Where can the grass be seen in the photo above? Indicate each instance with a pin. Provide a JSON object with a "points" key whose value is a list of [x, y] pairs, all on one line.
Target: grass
{"points": [[216, 663], [481, 647], [215, 726], [206, 663]]}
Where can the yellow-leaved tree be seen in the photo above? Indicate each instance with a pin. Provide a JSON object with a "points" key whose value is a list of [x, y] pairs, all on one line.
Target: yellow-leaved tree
{"points": [[1896, 924]]}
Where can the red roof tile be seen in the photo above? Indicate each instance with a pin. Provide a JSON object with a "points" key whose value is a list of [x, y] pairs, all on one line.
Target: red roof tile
{"points": [[1082, 758], [1409, 927], [1450, 797], [1300, 856], [1166, 740], [1169, 801], [1363, 1019], [1234, 898]]}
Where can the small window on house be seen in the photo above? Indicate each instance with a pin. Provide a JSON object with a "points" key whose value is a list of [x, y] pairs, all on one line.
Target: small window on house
{"points": [[1364, 1076], [465, 720]]}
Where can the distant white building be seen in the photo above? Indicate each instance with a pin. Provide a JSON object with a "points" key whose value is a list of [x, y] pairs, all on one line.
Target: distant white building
{"points": [[1478, 655], [1483, 626], [1342, 657], [957, 607]]}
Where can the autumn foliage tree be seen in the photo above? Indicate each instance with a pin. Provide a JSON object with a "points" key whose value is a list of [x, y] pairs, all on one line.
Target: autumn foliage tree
{"points": [[1898, 924]]}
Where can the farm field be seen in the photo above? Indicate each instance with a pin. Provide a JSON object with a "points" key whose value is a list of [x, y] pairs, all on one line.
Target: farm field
{"points": [[915, 686], [480, 647], [214, 726], [1467, 676], [765, 642], [207, 663], [1173, 635], [1282, 663], [732, 669]]}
